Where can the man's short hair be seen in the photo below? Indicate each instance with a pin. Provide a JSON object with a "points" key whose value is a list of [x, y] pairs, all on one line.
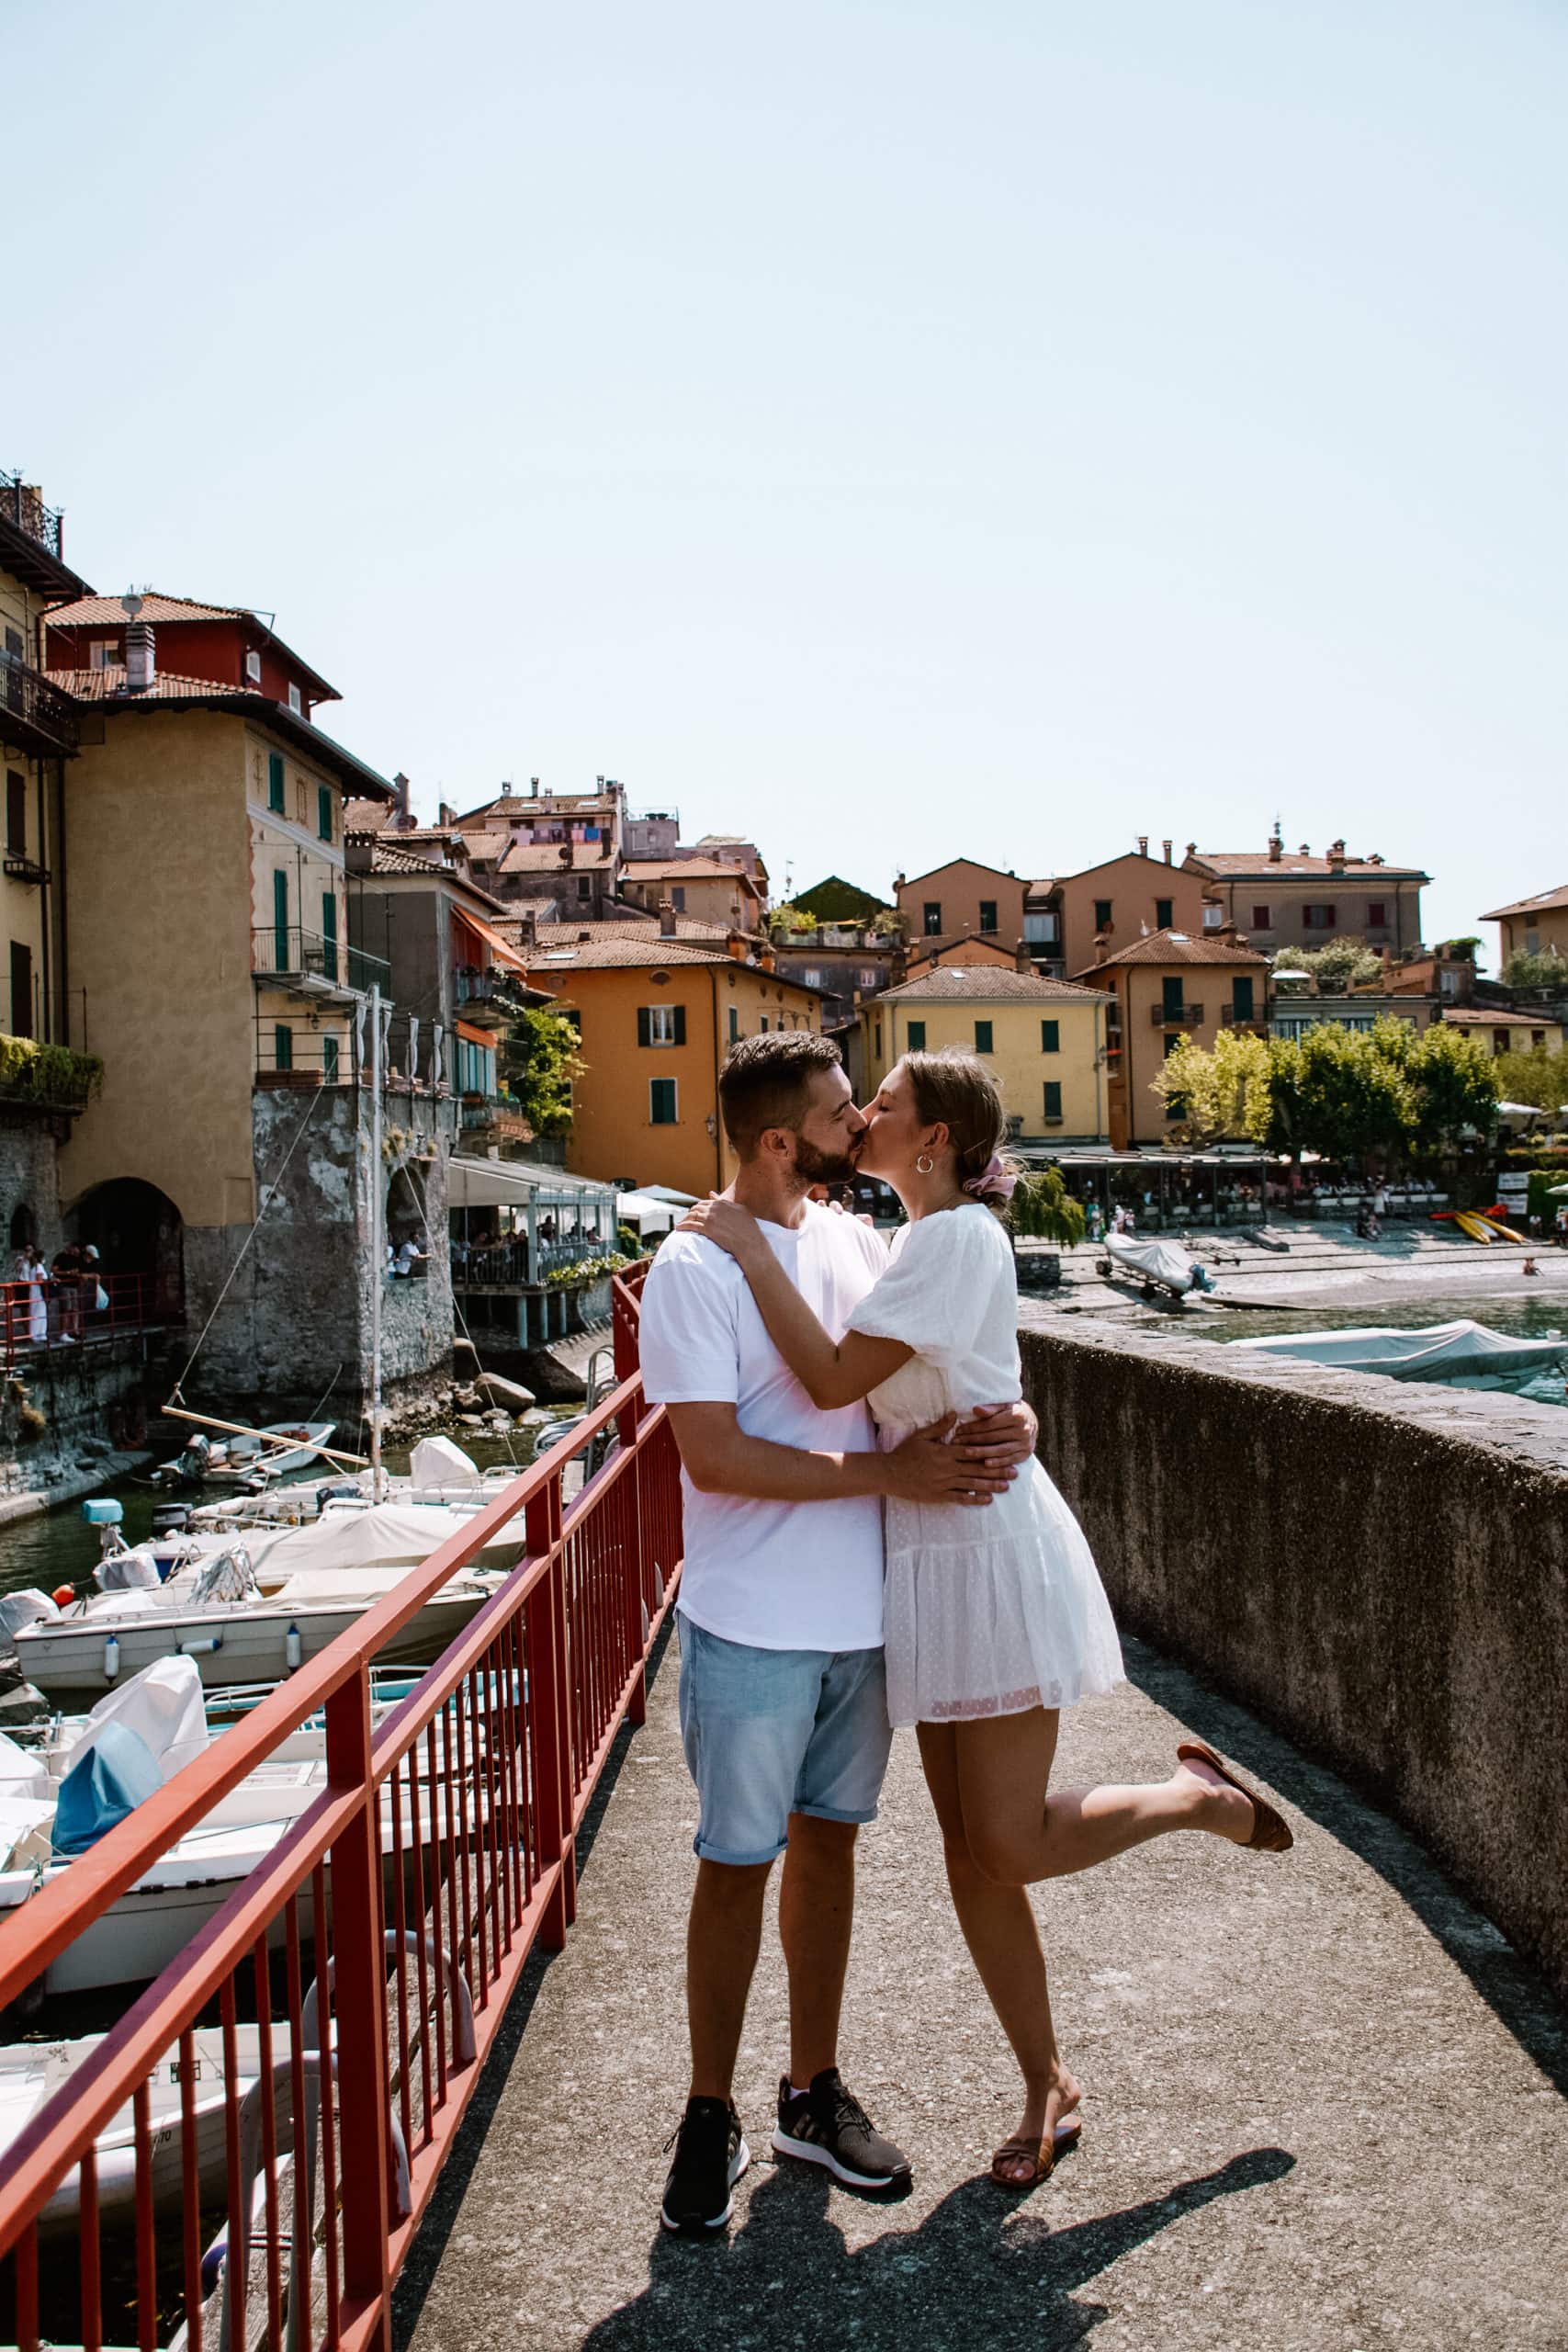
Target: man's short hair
{"points": [[766, 1083]]}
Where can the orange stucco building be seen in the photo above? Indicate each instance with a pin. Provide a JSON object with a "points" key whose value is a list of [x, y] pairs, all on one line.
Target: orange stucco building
{"points": [[1163, 988], [657, 1016]]}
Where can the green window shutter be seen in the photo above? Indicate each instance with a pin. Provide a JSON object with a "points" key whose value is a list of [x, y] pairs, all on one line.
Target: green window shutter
{"points": [[1052, 1098], [734, 1024], [680, 1025], [916, 1036], [329, 1061], [283, 1046], [1050, 1036], [275, 780], [661, 1102], [324, 812], [281, 921], [329, 934], [982, 1036], [645, 1026], [1241, 992]]}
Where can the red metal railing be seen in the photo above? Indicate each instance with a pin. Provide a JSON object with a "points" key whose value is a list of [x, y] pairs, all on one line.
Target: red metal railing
{"points": [[250, 2150], [35, 1318]]}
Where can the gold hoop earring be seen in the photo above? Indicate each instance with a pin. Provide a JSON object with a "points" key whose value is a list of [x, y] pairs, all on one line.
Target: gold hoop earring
{"points": [[924, 1163]]}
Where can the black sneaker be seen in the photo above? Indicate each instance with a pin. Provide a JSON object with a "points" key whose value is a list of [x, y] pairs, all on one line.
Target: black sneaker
{"points": [[827, 2125], [710, 2156]]}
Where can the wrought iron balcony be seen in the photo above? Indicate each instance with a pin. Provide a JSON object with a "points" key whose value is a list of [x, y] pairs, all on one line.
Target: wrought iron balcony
{"points": [[37, 718], [487, 998], [285, 956], [1180, 1016], [20, 867], [23, 508], [1252, 1021]]}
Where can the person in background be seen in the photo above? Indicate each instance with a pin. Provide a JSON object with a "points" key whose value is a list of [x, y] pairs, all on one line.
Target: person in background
{"points": [[67, 1271]]}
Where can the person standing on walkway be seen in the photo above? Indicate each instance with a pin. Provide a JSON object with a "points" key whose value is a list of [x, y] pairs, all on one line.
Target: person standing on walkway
{"points": [[783, 1712], [993, 1624]]}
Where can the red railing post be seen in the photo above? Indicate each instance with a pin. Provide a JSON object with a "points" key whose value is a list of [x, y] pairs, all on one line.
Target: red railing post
{"points": [[547, 1693], [635, 1599], [358, 2004]]}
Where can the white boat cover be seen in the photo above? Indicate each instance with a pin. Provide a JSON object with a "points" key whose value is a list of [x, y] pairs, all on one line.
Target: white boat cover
{"points": [[1426, 1354], [358, 1553], [437, 1462], [24, 1608], [26, 1824], [23, 1773], [1156, 1260], [163, 1705], [133, 1570]]}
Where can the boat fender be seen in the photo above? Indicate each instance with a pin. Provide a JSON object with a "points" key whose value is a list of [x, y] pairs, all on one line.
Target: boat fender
{"points": [[203, 1648], [63, 1595], [293, 1648], [111, 1657]]}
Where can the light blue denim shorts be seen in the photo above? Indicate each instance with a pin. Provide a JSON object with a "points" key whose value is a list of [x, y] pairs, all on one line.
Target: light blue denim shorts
{"points": [[769, 1733]]}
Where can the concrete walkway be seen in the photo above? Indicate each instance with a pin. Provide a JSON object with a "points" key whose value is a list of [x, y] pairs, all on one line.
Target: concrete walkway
{"points": [[1324, 2101]]}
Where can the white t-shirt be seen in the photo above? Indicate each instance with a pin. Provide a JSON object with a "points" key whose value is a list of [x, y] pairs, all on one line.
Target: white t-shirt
{"points": [[774, 1575]]}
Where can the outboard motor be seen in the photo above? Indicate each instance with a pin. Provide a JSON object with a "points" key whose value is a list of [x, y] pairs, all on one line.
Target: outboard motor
{"points": [[192, 1464], [171, 1519], [104, 1513]]}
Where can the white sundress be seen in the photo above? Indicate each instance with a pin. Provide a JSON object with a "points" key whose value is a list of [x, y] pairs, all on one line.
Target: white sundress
{"points": [[986, 1612]]}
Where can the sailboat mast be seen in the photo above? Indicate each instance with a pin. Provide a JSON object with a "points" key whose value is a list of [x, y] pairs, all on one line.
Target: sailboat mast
{"points": [[377, 1241]]}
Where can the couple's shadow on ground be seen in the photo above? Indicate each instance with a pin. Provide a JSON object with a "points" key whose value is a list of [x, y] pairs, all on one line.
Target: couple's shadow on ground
{"points": [[982, 2268]]}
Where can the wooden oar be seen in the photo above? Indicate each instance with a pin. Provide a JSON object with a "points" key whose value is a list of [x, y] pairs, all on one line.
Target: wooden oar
{"points": [[243, 1429]]}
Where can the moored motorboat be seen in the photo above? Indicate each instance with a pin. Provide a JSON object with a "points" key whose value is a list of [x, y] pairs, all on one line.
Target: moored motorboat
{"points": [[1461, 1349]]}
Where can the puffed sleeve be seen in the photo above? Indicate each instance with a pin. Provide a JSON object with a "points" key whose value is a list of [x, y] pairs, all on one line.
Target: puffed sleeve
{"points": [[935, 1293]]}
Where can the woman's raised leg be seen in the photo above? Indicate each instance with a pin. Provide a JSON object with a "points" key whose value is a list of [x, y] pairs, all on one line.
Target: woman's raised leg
{"points": [[999, 1928], [1018, 1834]]}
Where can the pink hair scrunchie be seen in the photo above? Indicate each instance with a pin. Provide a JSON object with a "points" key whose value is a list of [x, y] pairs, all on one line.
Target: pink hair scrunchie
{"points": [[993, 1184]]}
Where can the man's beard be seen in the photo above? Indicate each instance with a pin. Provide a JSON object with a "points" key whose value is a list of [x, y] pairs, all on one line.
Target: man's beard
{"points": [[814, 1166]]}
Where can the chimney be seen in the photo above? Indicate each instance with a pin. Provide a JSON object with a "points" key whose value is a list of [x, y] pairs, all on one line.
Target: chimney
{"points": [[735, 948], [765, 958], [140, 660], [1021, 958], [506, 789], [1305, 850], [447, 814], [1166, 846], [1276, 847], [1142, 844], [666, 917], [1336, 857], [533, 787], [402, 815], [1100, 946]]}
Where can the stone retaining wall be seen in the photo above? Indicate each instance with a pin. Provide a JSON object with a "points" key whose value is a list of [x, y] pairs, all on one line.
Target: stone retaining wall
{"points": [[1379, 1568]]}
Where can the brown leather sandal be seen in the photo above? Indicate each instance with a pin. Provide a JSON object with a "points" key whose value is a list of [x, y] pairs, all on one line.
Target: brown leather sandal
{"points": [[1270, 1832], [1069, 2131]]}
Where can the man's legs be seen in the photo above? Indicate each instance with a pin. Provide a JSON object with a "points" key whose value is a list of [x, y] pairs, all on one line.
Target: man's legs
{"points": [[817, 1901], [723, 1934]]}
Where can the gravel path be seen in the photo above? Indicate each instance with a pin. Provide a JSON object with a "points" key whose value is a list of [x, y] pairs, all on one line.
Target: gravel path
{"points": [[1324, 2101]]}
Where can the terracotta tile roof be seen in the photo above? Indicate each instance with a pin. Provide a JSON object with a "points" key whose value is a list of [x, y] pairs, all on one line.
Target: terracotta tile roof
{"points": [[391, 855], [1177, 947], [1257, 866], [688, 869], [109, 685], [646, 952], [108, 611], [581, 805], [568, 928], [983, 984], [1478, 1016], [1537, 905]]}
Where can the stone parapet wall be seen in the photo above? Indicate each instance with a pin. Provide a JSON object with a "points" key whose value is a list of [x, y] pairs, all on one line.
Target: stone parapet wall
{"points": [[1379, 1568]]}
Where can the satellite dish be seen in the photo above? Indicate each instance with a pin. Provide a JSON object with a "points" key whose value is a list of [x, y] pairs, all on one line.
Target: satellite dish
{"points": [[131, 604]]}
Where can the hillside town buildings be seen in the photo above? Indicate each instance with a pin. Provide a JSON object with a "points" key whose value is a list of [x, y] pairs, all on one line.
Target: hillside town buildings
{"points": [[1169, 986], [1278, 897], [1535, 926]]}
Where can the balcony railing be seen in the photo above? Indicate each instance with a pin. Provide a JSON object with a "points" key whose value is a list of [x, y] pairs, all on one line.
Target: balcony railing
{"points": [[292, 956], [21, 506], [495, 1115], [489, 999], [35, 715], [1179, 1016], [1231, 1017]]}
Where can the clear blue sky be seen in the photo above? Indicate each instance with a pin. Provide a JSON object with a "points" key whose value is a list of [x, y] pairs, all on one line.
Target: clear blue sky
{"points": [[898, 431]]}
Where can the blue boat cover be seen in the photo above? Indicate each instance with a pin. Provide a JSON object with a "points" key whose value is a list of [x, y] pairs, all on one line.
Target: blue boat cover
{"points": [[102, 1787]]}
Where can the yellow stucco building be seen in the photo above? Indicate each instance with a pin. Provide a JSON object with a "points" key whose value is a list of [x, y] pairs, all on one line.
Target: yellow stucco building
{"points": [[1044, 1040], [657, 1016], [1537, 926]]}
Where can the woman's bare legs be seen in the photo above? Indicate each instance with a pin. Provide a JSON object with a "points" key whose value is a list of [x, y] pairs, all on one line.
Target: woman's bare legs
{"points": [[1017, 1834], [999, 1928]]}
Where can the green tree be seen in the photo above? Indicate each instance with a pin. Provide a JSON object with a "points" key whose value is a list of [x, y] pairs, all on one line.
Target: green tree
{"points": [[1223, 1091], [1337, 968], [541, 1061], [1341, 1091], [1525, 971], [1453, 1085], [1540, 1077], [1042, 1209]]}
